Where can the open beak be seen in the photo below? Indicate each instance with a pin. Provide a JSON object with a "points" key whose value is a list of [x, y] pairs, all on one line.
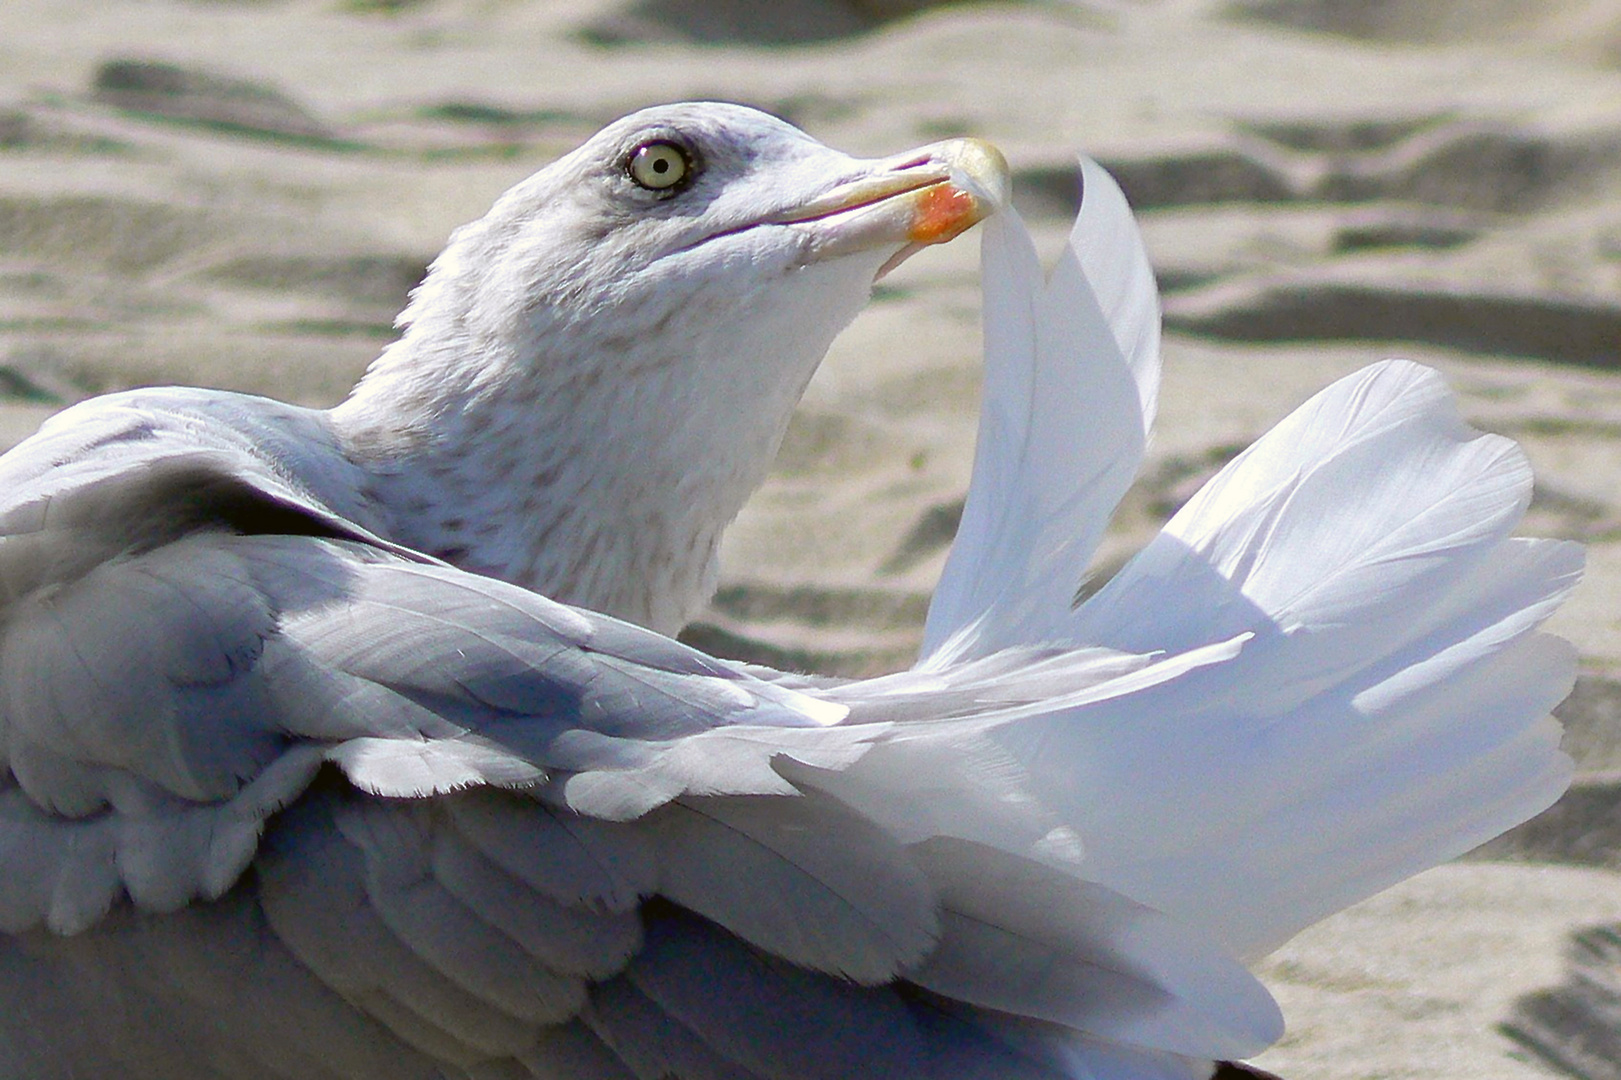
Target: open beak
{"points": [[928, 196]]}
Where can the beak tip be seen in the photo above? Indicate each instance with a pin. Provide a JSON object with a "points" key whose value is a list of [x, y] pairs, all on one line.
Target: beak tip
{"points": [[980, 169], [977, 187]]}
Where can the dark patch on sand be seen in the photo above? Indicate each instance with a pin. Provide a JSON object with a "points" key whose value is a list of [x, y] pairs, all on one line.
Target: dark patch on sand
{"points": [[1575, 1028], [749, 23], [1439, 22], [215, 99], [1570, 331], [363, 278], [807, 628], [929, 535]]}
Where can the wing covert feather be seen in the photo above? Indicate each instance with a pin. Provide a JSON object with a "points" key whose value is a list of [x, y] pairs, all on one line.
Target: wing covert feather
{"points": [[571, 859], [315, 894], [802, 878], [779, 1021]]}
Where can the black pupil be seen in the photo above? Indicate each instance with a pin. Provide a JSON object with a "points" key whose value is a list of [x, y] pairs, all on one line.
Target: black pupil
{"points": [[659, 166]]}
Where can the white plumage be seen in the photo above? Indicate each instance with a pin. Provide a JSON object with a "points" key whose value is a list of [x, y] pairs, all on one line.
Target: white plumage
{"points": [[286, 796]]}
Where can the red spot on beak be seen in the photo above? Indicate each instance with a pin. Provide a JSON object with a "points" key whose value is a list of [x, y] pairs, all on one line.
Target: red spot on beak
{"points": [[942, 213]]}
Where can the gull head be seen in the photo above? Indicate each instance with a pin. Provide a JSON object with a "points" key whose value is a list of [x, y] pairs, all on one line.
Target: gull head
{"points": [[595, 375], [719, 204]]}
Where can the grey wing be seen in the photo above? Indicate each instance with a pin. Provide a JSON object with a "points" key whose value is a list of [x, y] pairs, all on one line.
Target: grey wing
{"points": [[131, 471], [430, 896], [293, 804]]}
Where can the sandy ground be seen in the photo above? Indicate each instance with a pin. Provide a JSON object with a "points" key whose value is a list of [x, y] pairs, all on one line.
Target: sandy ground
{"points": [[239, 193]]}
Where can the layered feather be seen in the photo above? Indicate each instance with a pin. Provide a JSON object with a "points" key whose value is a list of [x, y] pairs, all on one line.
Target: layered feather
{"points": [[284, 799], [1387, 710]]}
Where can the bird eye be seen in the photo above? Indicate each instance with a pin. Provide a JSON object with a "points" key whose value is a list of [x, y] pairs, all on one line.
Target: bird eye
{"points": [[659, 165]]}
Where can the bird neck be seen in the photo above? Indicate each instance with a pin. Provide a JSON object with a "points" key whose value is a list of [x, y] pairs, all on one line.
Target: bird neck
{"points": [[593, 471]]}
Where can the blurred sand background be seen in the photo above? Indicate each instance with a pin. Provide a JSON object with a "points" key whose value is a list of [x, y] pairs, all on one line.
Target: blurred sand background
{"points": [[240, 193]]}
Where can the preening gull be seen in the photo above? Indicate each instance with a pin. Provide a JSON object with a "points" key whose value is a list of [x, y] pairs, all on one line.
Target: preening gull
{"points": [[333, 747]]}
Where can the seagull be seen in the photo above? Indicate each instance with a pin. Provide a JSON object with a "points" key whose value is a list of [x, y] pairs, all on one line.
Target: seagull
{"points": [[352, 744]]}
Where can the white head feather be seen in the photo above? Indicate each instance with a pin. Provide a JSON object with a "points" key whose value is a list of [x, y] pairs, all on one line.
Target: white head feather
{"points": [[596, 375]]}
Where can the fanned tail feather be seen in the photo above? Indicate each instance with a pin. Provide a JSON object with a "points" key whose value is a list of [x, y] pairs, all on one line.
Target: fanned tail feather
{"points": [[1325, 674], [1388, 713], [1071, 382]]}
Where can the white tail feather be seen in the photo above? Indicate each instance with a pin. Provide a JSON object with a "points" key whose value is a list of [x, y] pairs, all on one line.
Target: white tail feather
{"points": [[1071, 381], [1371, 693]]}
